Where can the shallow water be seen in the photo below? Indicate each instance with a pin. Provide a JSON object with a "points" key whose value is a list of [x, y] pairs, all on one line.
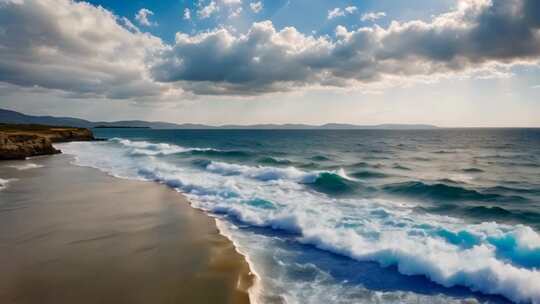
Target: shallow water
{"points": [[364, 216]]}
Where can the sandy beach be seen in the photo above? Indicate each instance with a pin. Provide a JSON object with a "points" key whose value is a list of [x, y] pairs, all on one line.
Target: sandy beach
{"points": [[76, 235]]}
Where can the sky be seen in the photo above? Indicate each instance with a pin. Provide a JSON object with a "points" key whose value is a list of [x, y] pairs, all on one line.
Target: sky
{"points": [[451, 63]]}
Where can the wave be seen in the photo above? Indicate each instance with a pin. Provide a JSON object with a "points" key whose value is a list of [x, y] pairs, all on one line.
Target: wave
{"points": [[401, 167], [445, 256], [486, 213], [329, 182], [444, 152], [472, 170], [505, 189], [274, 161], [310, 165], [514, 164], [332, 183], [221, 153], [422, 159], [368, 174], [261, 173], [144, 148], [446, 250], [320, 158], [376, 157], [361, 164], [444, 192], [366, 165]]}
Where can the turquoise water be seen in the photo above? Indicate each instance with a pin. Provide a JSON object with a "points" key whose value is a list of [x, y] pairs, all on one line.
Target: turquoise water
{"points": [[363, 216]]}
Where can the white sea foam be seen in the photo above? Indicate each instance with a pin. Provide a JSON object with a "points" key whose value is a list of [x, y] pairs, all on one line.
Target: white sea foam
{"points": [[4, 183], [488, 257], [141, 148], [147, 148], [26, 166]]}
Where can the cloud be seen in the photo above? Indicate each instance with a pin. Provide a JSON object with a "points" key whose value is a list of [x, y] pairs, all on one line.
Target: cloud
{"points": [[208, 10], [256, 7], [338, 12], [45, 44], [351, 9], [187, 14], [372, 16], [142, 17], [235, 12], [480, 34], [232, 2], [129, 25]]}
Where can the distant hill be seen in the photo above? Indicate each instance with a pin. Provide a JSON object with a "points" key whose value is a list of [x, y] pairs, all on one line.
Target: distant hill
{"points": [[7, 116], [12, 117]]}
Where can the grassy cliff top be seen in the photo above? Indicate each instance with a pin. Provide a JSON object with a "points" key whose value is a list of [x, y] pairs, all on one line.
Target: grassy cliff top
{"points": [[52, 133]]}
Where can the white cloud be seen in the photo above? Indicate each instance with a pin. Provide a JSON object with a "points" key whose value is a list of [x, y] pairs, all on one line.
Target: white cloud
{"points": [[372, 16], [143, 16], [351, 9], [187, 14], [465, 41], [208, 10], [232, 2], [55, 50], [338, 12], [235, 12], [129, 25], [107, 57], [256, 7], [536, 86]]}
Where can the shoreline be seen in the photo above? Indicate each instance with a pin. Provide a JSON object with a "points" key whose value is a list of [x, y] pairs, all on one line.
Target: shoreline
{"points": [[219, 265], [255, 288], [249, 281]]}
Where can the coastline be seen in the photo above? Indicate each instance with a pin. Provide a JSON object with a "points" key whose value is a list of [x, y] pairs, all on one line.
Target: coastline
{"points": [[132, 236]]}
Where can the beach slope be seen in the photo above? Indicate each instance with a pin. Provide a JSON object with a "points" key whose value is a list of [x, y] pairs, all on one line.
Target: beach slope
{"points": [[75, 235]]}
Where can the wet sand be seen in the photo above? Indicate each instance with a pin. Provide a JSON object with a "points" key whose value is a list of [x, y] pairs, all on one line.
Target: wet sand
{"points": [[75, 235]]}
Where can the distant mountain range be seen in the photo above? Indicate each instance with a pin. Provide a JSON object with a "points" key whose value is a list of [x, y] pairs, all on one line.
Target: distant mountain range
{"points": [[8, 116]]}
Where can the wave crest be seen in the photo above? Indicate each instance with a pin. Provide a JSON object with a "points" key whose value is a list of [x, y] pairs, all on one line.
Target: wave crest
{"points": [[444, 192]]}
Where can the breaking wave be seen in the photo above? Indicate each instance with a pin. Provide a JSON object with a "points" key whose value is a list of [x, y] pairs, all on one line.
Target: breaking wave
{"points": [[144, 148]]}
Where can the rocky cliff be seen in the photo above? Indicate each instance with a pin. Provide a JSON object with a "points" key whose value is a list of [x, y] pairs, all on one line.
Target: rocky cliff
{"points": [[21, 141]]}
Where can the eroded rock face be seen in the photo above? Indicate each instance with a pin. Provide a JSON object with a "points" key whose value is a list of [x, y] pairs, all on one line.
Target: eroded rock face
{"points": [[20, 146], [21, 141]]}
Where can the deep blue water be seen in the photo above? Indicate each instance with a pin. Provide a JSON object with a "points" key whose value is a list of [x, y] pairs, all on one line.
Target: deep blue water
{"points": [[349, 216]]}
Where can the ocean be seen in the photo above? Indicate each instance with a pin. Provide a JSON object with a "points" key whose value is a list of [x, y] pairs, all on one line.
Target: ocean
{"points": [[356, 216]]}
